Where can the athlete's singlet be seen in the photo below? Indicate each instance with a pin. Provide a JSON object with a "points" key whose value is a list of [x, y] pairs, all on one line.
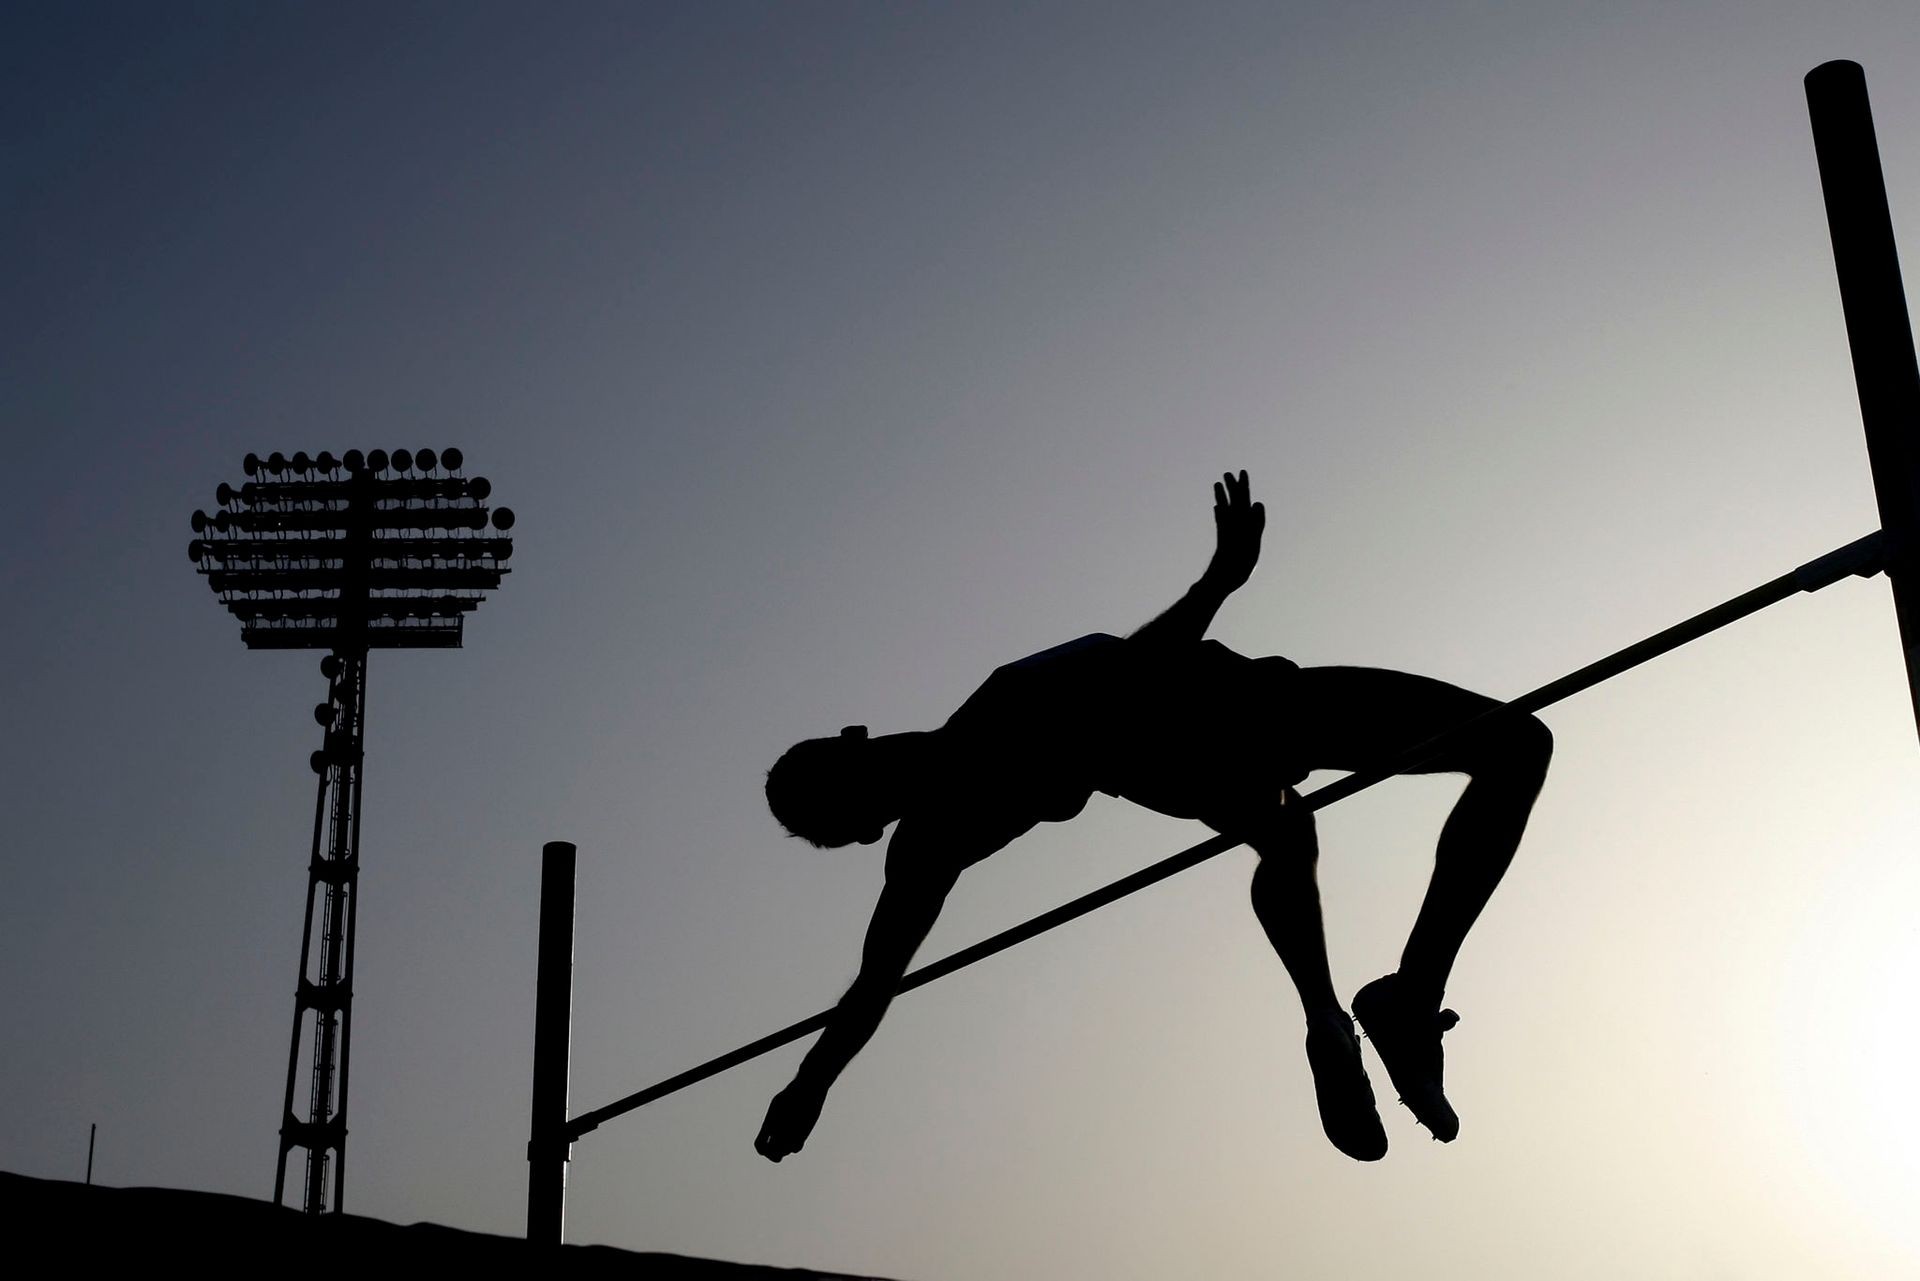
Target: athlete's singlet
{"points": [[1183, 729]]}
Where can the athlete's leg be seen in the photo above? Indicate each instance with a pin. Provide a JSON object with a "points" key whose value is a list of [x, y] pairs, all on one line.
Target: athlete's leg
{"points": [[1476, 847], [1286, 899], [1352, 717]]}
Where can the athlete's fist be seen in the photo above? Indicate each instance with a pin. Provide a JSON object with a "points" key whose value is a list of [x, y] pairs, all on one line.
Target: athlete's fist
{"points": [[790, 1119]]}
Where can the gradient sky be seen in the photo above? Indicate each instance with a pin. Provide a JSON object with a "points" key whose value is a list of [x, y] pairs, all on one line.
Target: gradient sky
{"points": [[832, 355]]}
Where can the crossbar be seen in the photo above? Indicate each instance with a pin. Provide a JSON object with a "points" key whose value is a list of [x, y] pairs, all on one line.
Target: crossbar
{"points": [[1863, 557]]}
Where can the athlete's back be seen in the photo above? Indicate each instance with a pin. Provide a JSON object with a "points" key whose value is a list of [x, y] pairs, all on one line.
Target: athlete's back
{"points": [[1163, 724]]}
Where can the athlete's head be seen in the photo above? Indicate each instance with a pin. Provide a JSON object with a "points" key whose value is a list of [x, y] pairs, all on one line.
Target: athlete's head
{"points": [[822, 790]]}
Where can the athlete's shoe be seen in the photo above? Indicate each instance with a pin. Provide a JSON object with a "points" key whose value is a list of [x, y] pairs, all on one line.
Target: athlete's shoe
{"points": [[1406, 1035], [1341, 1087]]}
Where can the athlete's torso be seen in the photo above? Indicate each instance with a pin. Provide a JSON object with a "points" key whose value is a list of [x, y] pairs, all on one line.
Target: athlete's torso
{"points": [[1035, 736], [1171, 727]]}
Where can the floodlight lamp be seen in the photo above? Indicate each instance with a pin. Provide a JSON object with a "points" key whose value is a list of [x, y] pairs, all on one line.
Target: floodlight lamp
{"points": [[330, 666], [325, 561], [224, 494], [324, 713], [251, 464], [503, 519], [453, 458]]}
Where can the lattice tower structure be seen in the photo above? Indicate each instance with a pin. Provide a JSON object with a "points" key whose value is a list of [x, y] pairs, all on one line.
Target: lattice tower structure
{"points": [[347, 554]]}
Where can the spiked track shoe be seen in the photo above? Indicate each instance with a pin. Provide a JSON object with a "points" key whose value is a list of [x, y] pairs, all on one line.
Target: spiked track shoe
{"points": [[1341, 1088], [1406, 1036]]}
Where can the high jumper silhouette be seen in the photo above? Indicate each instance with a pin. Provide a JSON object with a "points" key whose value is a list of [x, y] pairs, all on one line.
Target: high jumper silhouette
{"points": [[1186, 727]]}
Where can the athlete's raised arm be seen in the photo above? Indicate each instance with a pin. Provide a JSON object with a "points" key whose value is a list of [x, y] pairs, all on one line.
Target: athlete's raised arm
{"points": [[918, 882], [1238, 522]]}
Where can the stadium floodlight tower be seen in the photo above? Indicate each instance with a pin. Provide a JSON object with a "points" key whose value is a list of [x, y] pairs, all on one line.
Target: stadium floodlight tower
{"points": [[348, 554]]}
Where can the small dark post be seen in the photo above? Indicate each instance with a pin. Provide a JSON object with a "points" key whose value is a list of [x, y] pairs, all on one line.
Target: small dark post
{"points": [[1868, 267], [92, 1129], [552, 1030]]}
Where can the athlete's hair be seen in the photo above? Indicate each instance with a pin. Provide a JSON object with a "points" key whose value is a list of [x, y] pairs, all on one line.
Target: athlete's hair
{"points": [[806, 789]]}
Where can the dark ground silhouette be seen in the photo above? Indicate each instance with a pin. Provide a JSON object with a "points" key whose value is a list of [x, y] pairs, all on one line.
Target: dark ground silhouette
{"points": [[1187, 727], [90, 1228]]}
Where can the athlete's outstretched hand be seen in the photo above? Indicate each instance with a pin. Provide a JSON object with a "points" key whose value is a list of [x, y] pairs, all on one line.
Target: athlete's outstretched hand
{"points": [[790, 1119], [1238, 522]]}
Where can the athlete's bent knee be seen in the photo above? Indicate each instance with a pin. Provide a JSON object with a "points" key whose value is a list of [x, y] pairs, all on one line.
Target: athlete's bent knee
{"points": [[1533, 741], [1519, 747], [1285, 836], [1526, 748]]}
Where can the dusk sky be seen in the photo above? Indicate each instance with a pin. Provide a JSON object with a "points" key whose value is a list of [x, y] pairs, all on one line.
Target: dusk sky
{"points": [[832, 355]]}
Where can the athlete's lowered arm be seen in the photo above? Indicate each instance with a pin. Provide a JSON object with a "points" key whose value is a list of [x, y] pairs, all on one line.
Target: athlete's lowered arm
{"points": [[908, 906], [1238, 522]]}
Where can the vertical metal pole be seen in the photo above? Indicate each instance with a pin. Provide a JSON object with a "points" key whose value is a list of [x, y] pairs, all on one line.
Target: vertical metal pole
{"points": [[92, 1129], [552, 1030], [359, 713], [288, 1122], [1868, 267]]}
